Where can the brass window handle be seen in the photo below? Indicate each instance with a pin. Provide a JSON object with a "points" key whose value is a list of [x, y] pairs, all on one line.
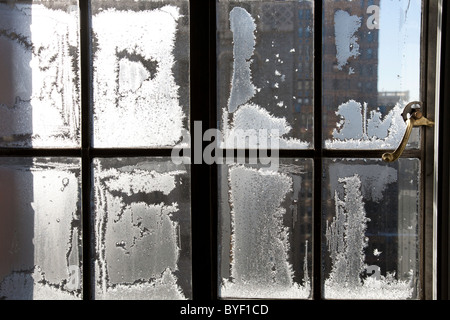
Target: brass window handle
{"points": [[416, 119]]}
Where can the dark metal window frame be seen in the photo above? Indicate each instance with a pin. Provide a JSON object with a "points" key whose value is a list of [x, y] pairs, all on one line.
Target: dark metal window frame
{"points": [[204, 197], [442, 197]]}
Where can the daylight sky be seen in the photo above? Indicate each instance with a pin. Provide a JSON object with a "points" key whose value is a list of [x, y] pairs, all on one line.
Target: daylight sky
{"points": [[399, 46]]}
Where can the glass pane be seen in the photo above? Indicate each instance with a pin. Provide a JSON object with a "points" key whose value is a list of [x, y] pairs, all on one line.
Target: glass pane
{"points": [[142, 229], [265, 70], [39, 74], [141, 72], [371, 229], [265, 229], [40, 229], [371, 70]]}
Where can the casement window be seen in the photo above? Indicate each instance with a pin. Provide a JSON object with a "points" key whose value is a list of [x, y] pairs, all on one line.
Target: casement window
{"points": [[208, 150]]}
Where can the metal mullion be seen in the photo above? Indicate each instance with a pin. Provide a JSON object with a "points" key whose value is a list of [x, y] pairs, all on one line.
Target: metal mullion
{"points": [[318, 154], [282, 153], [443, 181], [202, 86], [129, 152], [213, 169], [369, 154], [431, 176], [86, 144], [164, 152], [425, 292], [42, 152]]}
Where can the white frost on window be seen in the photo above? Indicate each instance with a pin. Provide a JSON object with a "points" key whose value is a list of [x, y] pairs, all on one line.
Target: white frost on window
{"points": [[149, 180], [136, 99], [162, 288], [346, 242], [374, 177], [243, 27], [33, 285], [144, 234], [345, 235], [253, 117], [260, 266], [137, 241], [345, 27], [41, 61], [377, 253], [359, 130], [47, 220], [246, 114]]}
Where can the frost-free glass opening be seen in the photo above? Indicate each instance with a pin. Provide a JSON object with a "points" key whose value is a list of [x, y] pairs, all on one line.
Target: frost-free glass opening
{"points": [[371, 70]]}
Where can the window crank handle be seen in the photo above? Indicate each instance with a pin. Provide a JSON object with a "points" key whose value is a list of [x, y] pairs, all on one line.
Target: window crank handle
{"points": [[416, 119]]}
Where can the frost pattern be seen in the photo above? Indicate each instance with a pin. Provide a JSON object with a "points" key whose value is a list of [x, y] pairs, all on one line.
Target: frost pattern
{"points": [[255, 117], [346, 235], [149, 181], [345, 27], [374, 177], [162, 288], [251, 117], [259, 242], [243, 28], [246, 114], [136, 99], [47, 220], [346, 242], [357, 130], [41, 106], [137, 240]]}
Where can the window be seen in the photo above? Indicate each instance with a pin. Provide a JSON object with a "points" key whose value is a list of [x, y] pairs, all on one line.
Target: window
{"points": [[93, 106], [371, 232], [88, 123]]}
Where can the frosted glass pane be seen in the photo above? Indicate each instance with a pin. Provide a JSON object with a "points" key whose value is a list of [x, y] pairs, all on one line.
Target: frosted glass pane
{"points": [[141, 72], [371, 70], [39, 74], [371, 229], [142, 229], [40, 229], [265, 69], [265, 225]]}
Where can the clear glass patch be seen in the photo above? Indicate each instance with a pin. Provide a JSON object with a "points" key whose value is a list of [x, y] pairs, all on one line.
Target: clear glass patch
{"points": [[142, 229], [39, 74], [371, 229], [40, 229], [141, 72], [265, 219], [371, 70]]}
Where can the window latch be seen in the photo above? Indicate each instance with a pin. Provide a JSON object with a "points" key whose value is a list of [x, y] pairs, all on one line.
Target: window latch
{"points": [[414, 118]]}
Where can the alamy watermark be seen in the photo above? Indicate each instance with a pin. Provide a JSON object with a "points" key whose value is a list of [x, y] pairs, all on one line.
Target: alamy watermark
{"points": [[262, 147]]}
